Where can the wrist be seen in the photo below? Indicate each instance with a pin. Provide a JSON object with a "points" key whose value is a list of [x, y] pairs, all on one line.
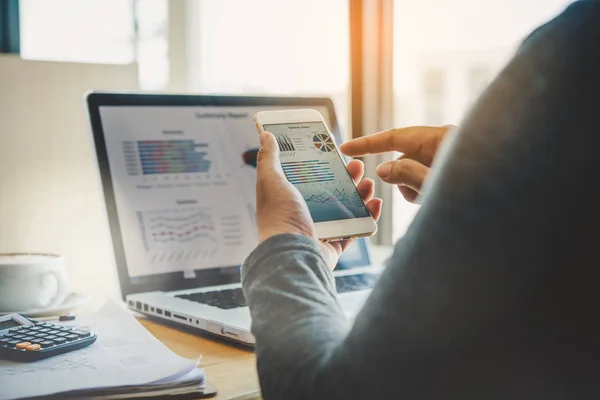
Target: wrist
{"points": [[267, 234]]}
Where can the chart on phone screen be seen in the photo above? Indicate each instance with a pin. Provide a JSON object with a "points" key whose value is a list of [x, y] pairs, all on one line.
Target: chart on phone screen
{"points": [[184, 182], [310, 162]]}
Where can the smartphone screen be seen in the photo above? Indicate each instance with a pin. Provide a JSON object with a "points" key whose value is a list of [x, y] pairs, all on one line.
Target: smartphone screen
{"points": [[313, 165]]}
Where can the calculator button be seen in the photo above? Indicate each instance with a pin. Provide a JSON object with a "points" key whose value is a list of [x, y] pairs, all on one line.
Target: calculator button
{"points": [[44, 330], [81, 334], [14, 330], [19, 336], [22, 345], [28, 338], [71, 337], [59, 340], [33, 347], [51, 337], [63, 334], [47, 343], [13, 343], [53, 332], [65, 328]]}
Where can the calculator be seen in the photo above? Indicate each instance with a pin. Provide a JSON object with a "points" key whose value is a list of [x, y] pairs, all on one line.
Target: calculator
{"points": [[24, 339]]}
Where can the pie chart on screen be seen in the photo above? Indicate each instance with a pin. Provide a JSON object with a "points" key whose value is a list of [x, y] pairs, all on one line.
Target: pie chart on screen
{"points": [[323, 142]]}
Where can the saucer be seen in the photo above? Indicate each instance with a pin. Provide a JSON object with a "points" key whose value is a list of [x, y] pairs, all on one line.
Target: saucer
{"points": [[72, 301]]}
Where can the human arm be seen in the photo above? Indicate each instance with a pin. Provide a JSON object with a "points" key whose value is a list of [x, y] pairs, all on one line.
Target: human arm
{"points": [[490, 277]]}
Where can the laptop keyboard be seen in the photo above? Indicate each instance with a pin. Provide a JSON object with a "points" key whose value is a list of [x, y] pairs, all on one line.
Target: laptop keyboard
{"points": [[234, 298], [352, 283]]}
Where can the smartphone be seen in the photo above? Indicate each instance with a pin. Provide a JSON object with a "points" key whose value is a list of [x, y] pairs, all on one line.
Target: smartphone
{"points": [[312, 162]]}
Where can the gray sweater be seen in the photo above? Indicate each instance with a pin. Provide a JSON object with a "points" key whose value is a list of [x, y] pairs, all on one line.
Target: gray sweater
{"points": [[492, 293]]}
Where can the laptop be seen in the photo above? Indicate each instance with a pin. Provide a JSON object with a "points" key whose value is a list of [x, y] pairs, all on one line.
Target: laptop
{"points": [[178, 174]]}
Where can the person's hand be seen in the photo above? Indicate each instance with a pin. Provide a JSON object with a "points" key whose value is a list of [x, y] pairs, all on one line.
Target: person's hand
{"points": [[280, 208], [419, 144]]}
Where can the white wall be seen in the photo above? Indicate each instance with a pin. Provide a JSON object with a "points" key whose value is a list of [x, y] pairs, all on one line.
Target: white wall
{"points": [[50, 194]]}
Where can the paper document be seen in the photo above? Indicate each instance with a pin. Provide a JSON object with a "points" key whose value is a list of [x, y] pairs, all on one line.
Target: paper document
{"points": [[125, 354]]}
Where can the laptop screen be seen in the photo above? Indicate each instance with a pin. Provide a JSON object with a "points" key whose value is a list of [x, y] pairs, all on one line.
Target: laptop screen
{"points": [[183, 180]]}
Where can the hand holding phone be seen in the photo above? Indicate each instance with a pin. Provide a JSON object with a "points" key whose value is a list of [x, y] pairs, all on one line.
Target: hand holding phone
{"points": [[312, 163]]}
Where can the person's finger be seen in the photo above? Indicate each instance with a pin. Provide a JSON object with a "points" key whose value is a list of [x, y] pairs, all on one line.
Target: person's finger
{"points": [[267, 161], [374, 207], [366, 189], [417, 157], [356, 168], [405, 172], [409, 194], [405, 140]]}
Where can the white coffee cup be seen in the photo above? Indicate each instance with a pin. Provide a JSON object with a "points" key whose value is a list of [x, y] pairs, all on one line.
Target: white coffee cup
{"points": [[31, 281]]}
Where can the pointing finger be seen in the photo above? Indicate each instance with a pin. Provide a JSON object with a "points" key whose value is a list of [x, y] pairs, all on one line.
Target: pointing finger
{"points": [[406, 140]]}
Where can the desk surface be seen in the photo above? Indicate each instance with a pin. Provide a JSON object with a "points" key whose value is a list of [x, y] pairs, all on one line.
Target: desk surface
{"points": [[232, 370]]}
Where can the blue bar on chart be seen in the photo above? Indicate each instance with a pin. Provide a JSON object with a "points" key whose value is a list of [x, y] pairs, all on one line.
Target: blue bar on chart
{"points": [[311, 171], [172, 156]]}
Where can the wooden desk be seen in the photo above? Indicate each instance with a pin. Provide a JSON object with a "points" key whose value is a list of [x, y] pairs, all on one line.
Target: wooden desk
{"points": [[232, 370]]}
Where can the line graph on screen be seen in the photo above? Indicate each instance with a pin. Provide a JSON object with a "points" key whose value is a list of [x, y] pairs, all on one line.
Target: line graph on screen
{"points": [[338, 196]]}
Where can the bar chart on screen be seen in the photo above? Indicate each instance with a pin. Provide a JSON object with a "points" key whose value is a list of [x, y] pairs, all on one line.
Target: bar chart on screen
{"points": [[309, 171], [288, 146], [170, 160]]}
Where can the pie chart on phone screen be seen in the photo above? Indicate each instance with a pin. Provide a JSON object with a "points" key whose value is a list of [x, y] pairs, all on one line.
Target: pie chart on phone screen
{"points": [[323, 142]]}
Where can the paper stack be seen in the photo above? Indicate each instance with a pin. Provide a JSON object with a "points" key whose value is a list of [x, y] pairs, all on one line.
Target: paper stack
{"points": [[125, 362]]}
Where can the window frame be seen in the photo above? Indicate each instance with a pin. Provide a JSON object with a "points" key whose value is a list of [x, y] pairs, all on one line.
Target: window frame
{"points": [[10, 39], [372, 91]]}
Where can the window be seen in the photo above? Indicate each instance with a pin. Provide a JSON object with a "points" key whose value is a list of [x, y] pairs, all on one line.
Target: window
{"points": [[152, 46], [98, 31], [446, 52], [433, 93], [93, 31], [274, 47]]}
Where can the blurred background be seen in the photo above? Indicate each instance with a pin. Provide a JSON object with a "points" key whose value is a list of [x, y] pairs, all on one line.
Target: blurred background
{"points": [[385, 63]]}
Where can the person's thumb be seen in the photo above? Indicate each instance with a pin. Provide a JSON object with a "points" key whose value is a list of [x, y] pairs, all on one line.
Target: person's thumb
{"points": [[267, 161], [403, 172]]}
